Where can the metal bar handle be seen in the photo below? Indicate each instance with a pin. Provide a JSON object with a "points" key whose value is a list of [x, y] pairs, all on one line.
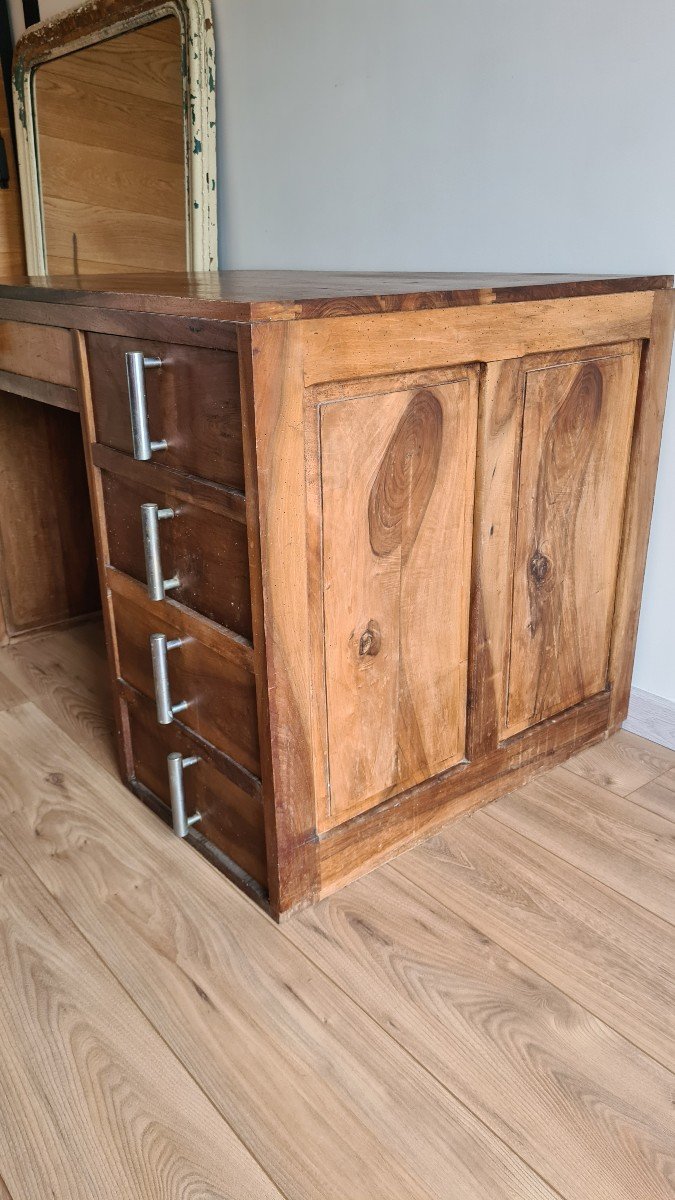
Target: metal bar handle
{"points": [[137, 364], [151, 515], [177, 765], [159, 646]]}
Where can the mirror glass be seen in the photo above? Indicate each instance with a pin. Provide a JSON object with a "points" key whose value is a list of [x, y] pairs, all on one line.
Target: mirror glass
{"points": [[110, 149]]}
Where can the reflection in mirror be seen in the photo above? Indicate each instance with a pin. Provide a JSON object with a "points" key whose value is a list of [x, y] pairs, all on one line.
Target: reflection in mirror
{"points": [[110, 149]]}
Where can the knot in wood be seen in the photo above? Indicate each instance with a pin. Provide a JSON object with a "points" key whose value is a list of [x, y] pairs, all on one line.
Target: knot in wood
{"points": [[370, 640], [539, 566]]}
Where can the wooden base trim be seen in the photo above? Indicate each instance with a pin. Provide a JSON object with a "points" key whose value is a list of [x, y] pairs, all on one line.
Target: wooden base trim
{"points": [[400, 823], [651, 717]]}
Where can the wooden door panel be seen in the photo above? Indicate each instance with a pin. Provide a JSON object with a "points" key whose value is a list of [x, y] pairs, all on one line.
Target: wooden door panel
{"points": [[575, 449], [397, 474]]}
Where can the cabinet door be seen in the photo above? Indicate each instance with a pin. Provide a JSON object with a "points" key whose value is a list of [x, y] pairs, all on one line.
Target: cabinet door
{"points": [[396, 483], [576, 434]]}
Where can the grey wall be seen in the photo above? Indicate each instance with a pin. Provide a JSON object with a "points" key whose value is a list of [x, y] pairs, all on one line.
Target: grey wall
{"points": [[526, 135]]}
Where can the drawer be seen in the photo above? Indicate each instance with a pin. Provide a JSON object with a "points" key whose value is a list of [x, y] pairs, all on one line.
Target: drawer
{"points": [[37, 351], [192, 403], [220, 691], [205, 549], [229, 801]]}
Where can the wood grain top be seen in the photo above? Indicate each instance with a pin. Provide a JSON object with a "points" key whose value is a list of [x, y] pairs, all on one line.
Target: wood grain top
{"points": [[289, 295]]}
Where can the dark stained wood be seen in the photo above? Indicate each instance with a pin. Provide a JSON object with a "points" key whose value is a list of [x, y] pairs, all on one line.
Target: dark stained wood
{"points": [[211, 496], [221, 695], [253, 557], [237, 649], [232, 819], [101, 542], [651, 403], [37, 352], [288, 295], [273, 824], [40, 389], [209, 555], [193, 403], [47, 556]]}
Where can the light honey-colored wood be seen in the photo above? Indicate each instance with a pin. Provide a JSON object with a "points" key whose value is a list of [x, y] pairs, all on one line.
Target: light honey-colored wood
{"points": [[623, 764], [82, 1113], [620, 844], [349, 347], [568, 928], [541, 997], [574, 456], [111, 156], [397, 469], [325, 1100], [515, 1050], [658, 795]]}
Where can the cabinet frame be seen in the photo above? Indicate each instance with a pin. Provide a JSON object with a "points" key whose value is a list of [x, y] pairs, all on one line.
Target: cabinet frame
{"points": [[290, 366]]}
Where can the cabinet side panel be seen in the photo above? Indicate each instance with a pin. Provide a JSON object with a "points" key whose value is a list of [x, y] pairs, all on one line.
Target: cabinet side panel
{"points": [[397, 506], [651, 402], [577, 424]]}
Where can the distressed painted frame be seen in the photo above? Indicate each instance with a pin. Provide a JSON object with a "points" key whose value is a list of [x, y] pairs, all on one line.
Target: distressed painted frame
{"points": [[97, 21]]}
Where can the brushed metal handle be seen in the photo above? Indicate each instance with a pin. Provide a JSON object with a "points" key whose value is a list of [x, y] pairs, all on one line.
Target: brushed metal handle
{"points": [[137, 364], [159, 647], [177, 764], [151, 515]]}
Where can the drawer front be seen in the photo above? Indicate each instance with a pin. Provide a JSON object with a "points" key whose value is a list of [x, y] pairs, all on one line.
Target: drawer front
{"points": [[192, 403], [220, 693], [206, 550], [37, 351], [231, 818]]}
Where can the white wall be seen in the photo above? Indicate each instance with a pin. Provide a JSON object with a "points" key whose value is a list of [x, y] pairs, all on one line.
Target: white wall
{"points": [[523, 135]]}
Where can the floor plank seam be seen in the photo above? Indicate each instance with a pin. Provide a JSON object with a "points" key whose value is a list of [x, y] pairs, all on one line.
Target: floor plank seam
{"points": [[142, 1014], [630, 899], [513, 954], [422, 1066]]}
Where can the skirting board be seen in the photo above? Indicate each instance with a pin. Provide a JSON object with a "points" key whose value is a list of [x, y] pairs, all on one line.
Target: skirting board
{"points": [[651, 717]]}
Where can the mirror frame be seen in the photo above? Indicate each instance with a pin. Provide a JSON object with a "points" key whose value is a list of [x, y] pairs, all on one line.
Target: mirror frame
{"points": [[95, 22]]}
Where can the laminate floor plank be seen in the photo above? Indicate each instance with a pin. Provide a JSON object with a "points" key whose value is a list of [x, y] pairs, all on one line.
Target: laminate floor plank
{"points": [[65, 674], [658, 795], [10, 694], [622, 763], [588, 1111], [326, 1100], [612, 839], [574, 932], [92, 1102]]}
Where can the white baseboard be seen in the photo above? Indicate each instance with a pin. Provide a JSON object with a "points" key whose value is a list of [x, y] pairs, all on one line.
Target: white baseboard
{"points": [[652, 717]]}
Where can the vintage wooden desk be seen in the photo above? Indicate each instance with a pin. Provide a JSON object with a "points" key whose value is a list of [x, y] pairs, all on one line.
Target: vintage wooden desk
{"points": [[370, 548]]}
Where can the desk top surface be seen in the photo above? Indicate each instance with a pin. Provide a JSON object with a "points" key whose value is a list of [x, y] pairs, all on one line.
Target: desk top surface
{"points": [[289, 295]]}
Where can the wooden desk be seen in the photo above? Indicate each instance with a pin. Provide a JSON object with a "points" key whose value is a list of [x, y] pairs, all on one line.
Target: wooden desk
{"points": [[372, 557]]}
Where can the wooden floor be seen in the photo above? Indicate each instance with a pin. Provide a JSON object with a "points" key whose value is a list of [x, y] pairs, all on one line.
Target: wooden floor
{"points": [[492, 1016]]}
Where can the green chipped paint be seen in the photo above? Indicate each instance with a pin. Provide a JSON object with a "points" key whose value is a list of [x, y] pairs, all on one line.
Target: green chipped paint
{"points": [[197, 148], [212, 82]]}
